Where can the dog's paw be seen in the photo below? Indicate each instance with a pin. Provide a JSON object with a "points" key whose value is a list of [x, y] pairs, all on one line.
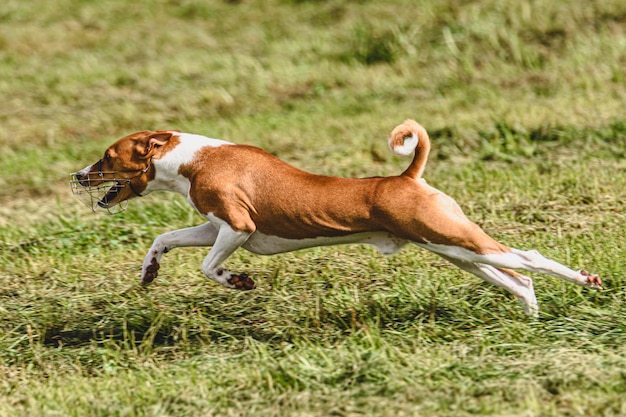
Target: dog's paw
{"points": [[241, 282], [151, 272], [593, 280]]}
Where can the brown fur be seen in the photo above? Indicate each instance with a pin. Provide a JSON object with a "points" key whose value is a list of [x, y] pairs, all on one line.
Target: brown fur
{"points": [[242, 189], [253, 190], [407, 129], [129, 156]]}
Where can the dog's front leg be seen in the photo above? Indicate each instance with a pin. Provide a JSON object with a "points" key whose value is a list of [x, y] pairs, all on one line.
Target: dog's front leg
{"points": [[202, 235], [228, 240]]}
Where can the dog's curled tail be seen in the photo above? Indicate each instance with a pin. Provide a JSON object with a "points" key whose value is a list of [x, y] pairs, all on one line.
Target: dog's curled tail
{"points": [[408, 137]]}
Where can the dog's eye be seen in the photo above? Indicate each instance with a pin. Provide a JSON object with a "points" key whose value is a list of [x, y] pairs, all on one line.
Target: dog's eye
{"points": [[107, 156]]}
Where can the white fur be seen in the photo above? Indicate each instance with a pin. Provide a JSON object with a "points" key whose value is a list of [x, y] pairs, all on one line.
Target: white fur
{"points": [[516, 259], [262, 244], [407, 147], [226, 242], [167, 177], [494, 267], [521, 286]]}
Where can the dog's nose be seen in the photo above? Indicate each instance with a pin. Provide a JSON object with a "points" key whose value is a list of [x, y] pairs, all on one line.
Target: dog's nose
{"points": [[82, 178]]}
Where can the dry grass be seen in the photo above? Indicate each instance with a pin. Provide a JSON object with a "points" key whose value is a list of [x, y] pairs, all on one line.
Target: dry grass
{"points": [[524, 102]]}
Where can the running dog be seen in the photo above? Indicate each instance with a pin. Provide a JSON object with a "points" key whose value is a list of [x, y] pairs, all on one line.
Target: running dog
{"points": [[254, 200]]}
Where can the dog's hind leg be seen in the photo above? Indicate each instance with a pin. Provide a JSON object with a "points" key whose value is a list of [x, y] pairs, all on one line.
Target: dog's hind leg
{"points": [[227, 241], [535, 262], [519, 285], [202, 235], [511, 258]]}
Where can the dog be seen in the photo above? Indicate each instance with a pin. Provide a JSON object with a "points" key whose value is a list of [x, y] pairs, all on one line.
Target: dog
{"points": [[256, 201]]}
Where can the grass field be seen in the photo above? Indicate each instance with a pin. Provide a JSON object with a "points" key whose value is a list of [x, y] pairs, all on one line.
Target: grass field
{"points": [[524, 101]]}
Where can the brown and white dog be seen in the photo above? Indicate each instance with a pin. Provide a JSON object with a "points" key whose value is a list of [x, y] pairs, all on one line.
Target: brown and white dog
{"points": [[254, 200]]}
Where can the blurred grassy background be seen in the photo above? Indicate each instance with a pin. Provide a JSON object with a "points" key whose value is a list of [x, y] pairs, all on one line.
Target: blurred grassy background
{"points": [[524, 101]]}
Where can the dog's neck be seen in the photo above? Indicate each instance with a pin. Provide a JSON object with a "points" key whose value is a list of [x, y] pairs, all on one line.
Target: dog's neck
{"points": [[167, 166]]}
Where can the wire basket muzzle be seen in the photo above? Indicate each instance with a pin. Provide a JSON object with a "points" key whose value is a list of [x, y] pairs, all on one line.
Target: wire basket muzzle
{"points": [[97, 196]]}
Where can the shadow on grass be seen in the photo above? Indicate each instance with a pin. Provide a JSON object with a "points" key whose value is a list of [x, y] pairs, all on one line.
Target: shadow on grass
{"points": [[140, 320]]}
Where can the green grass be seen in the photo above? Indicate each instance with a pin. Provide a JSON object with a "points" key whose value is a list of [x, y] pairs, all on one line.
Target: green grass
{"points": [[524, 102]]}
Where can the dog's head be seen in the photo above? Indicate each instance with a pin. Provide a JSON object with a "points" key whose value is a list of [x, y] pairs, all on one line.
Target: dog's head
{"points": [[122, 173]]}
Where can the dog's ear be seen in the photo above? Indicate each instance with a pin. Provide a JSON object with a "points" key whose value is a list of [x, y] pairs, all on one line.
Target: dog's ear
{"points": [[155, 140]]}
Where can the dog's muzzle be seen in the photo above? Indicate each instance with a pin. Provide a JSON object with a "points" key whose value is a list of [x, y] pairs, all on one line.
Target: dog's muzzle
{"points": [[98, 197]]}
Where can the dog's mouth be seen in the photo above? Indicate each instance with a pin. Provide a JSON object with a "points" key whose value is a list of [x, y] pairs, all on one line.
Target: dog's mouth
{"points": [[107, 199], [102, 195]]}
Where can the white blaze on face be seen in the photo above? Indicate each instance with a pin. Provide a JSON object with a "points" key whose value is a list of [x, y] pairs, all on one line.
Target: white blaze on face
{"points": [[83, 172], [407, 147]]}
